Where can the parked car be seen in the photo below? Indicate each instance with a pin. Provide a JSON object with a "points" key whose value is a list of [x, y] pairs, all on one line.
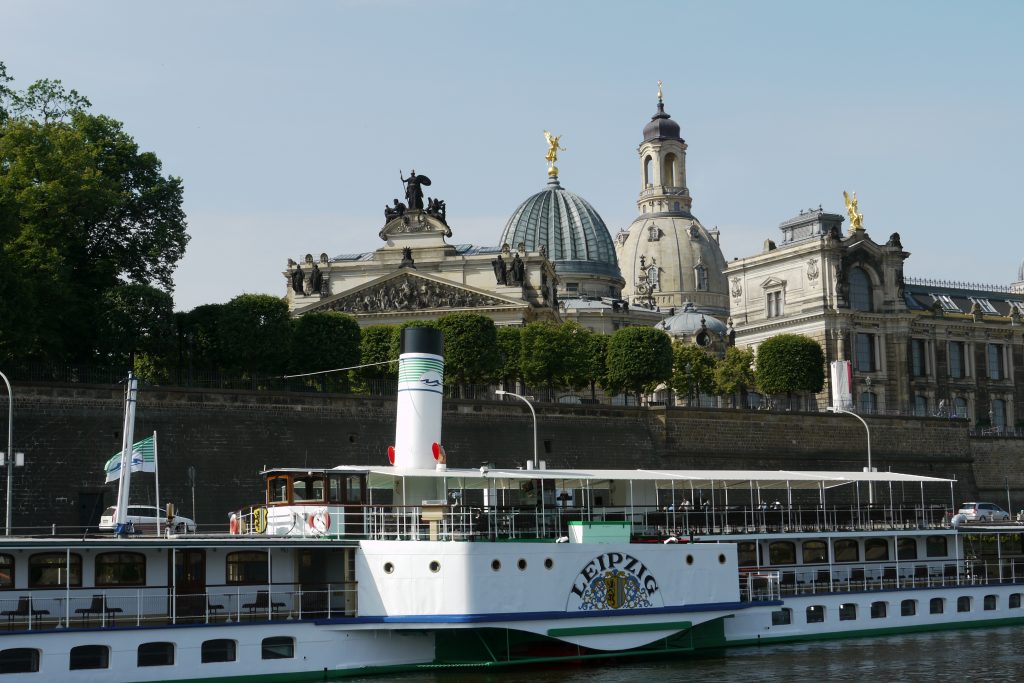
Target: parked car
{"points": [[144, 517], [989, 512]]}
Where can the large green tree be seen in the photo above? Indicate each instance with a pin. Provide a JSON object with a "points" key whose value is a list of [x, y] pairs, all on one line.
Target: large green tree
{"points": [[579, 368], [693, 371], [509, 340], [325, 341], [788, 363], [139, 320], [542, 355], [82, 211], [734, 374], [471, 354], [258, 331], [638, 359], [375, 352]]}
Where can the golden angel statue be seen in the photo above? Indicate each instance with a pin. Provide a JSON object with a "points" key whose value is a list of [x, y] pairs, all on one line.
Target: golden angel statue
{"points": [[856, 219], [553, 147]]}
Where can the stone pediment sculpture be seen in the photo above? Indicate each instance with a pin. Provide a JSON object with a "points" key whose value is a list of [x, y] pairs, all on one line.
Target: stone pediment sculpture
{"points": [[415, 221], [409, 292]]}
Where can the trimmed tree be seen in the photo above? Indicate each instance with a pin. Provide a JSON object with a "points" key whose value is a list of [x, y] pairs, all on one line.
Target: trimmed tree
{"points": [[639, 358], [693, 371], [375, 344], [325, 341], [471, 354], [788, 363], [258, 330], [509, 339], [734, 374], [542, 355]]}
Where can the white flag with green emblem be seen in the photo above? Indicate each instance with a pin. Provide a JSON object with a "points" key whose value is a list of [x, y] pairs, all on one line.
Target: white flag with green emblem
{"points": [[143, 460]]}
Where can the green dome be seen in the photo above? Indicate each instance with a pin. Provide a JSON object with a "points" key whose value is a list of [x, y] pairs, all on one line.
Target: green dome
{"points": [[567, 226]]}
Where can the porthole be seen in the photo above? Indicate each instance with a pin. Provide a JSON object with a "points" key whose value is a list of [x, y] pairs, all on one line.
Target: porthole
{"points": [[496, 565], [721, 559], [435, 566], [521, 564], [388, 568], [549, 563], [689, 559]]}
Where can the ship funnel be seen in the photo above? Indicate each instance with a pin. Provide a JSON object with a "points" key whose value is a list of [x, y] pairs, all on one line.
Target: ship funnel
{"points": [[420, 390]]}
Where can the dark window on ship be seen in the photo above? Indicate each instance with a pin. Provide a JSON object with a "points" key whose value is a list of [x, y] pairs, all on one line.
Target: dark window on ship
{"points": [[782, 552], [908, 608], [51, 569], [878, 610], [990, 602], [860, 290], [815, 614], [278, 647], [906, 549], [219, 650], [19, 660], [815, 552], [935, 546], [156, 654], [876, 550], [6, 571], [746, 554], [937, 605], [120, 569], [846, 550], [89, 657], [782, 617], [277, 489], [963, 603], [246, 567], [1014, 601], [847, 611]]}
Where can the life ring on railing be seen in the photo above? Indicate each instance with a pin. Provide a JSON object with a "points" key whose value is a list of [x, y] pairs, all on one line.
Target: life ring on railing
{"points": [[233, 524], [320, 521]]}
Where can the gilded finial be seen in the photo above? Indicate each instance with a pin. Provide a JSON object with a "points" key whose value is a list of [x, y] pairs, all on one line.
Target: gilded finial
{"points": [[660, 95], [856, 219], [552, 155]]}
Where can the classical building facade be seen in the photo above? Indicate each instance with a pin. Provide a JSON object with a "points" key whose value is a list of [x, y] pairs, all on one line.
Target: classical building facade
{"points": [[916, 346]]}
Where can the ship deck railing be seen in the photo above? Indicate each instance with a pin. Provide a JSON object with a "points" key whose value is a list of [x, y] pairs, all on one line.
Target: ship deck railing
{"points": [[774, 584], [154, 606]]}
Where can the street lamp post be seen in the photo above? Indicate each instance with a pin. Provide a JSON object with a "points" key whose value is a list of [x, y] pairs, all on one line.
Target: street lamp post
{"points": [[10, 451], [837, 409], [500, 392]]}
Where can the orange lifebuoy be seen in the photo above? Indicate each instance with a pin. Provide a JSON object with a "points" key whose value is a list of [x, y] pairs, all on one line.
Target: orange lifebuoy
{"points": [[320, 521], [233, 524]]}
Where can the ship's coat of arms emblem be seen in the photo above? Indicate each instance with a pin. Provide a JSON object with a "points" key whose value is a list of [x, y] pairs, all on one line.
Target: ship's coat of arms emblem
{"points": [[614, 581]]}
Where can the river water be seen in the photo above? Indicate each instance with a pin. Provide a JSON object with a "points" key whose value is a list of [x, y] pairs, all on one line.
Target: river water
{"points": [[975, 656]]}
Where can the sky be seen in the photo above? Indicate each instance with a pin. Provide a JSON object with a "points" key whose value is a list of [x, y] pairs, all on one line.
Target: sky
{"points": [[289, 122]]}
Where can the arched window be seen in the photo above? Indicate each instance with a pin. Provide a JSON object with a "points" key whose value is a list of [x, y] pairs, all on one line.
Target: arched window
{"points": [[648, 172], [860, 290], [869, 403], [876, 550], [668, 170], [782, 552], [845, 550], [815, 552], [51, 570], [906, 549], [936, 546], [6, 571]]}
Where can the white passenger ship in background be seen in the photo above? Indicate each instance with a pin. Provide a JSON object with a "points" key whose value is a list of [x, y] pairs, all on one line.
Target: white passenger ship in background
{"points": [[356, 570]]}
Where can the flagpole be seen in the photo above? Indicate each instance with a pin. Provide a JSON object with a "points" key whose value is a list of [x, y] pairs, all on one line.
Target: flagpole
{"points": [[156, 471], [124, 484]]}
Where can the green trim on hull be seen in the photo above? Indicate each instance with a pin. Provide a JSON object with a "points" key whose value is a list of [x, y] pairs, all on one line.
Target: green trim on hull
{"points": [[621, 628]]}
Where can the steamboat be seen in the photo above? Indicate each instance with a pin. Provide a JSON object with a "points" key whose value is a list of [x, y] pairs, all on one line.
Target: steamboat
{"points": [[377, 569]]}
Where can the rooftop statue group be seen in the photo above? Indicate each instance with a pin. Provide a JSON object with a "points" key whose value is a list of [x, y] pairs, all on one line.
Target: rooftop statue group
{"points": [[313, 285], [414, 199], [509, 273]]}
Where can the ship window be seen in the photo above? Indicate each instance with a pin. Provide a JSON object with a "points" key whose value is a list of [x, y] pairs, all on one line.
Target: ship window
{"points": [[120, 569], [277, 490], [19, 660], [1014, 602], [746, 554], [354, 489], [815, 614], [308, 488], [937, 605], [219, 650], [876, 550], [815, 552], [990, 602], [246, 567], [963, 603], [908, 608], [6, 571], [89, 657], [848, 611], [782, 617], [935, 546], [878, 609], [279, 647], [906, 549], [156, 654], [782, 552], [846, 550], [51, 569]]}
